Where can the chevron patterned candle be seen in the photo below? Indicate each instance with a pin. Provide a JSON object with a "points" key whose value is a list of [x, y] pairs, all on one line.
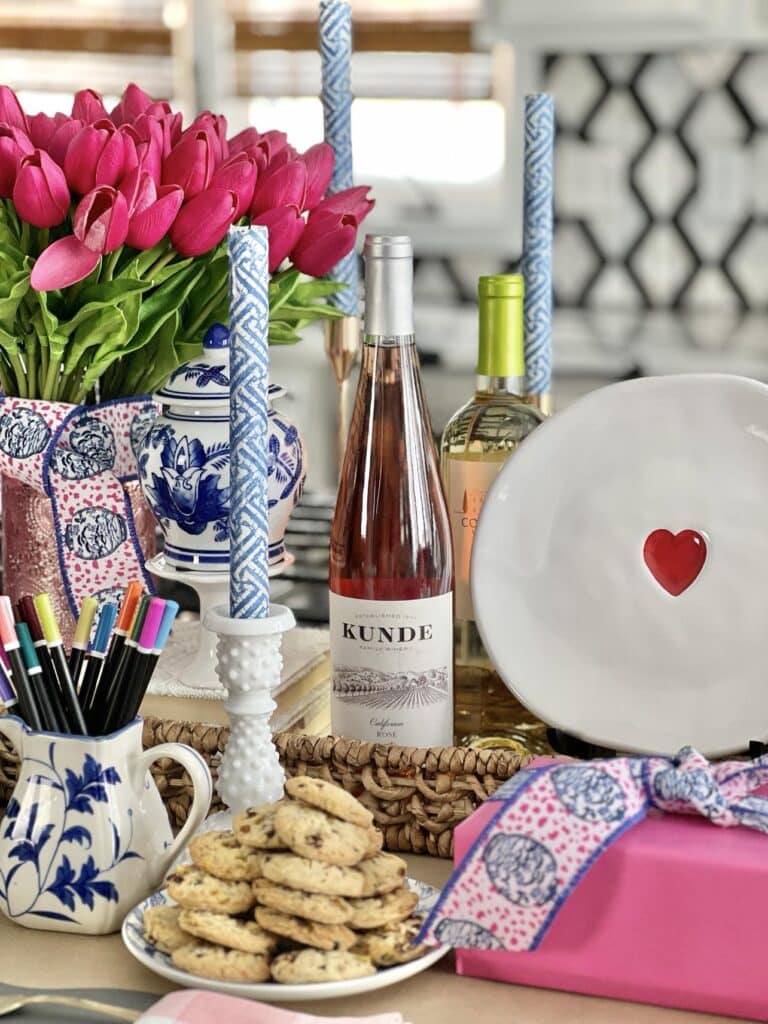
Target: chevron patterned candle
{"points": [[537, 240], [249, 364], [336, 96]]}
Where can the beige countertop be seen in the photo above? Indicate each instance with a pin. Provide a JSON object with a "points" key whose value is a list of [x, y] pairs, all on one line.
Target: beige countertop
{"points": [[49, 960]]}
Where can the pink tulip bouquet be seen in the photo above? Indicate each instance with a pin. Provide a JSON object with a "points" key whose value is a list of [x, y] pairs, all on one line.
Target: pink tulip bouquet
{"points": [[112, 254]]}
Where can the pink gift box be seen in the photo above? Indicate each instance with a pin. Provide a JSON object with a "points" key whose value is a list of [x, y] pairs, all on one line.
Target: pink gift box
{"points": [[672, 913]]}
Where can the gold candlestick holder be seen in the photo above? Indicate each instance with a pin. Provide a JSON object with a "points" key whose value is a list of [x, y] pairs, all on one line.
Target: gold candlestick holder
{"points": [[544, 403], [342, 346]]}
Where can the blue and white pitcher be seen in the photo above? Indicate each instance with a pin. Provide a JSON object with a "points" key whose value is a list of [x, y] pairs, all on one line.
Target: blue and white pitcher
{"points": [[85, 835]]}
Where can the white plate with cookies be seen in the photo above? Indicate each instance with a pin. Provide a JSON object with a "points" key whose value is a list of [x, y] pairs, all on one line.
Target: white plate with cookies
{"points": [[297, 901]]}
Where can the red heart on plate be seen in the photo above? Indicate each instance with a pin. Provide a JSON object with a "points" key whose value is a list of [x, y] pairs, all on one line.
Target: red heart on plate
{"points": [[675, 559]]}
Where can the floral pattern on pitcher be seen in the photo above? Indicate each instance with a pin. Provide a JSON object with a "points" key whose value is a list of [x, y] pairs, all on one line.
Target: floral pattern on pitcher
{"points": [[43, 847]]}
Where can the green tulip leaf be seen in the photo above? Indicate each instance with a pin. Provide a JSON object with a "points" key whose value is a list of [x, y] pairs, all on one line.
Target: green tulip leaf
{"points": [[110, 293], [169, 270], [314, 289], [308, 313], [12, 292], [282, 287], [129, 295], [282, 333], [9, 342]]}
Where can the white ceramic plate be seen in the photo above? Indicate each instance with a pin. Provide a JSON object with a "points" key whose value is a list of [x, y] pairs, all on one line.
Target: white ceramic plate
{"points": [[569, 608], [271, 992]]}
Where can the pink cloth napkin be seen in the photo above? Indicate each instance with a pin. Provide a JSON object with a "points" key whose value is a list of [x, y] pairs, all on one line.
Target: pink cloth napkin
{"points": [[193, 1006]]}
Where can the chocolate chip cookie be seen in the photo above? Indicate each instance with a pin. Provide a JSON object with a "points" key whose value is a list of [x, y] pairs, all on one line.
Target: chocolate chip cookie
{"points": [[319, 836], [313, 906], [379, 911], [301, 966], [222, 855], [303, 932], [383, 873], [193, 889], [210, 961], [223, 930], [296, 872], [256, 827], [329, 798], [161, 928], [393, 944]]}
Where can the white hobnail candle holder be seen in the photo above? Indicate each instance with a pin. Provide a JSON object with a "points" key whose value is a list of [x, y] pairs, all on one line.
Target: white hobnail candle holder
{"points": [[249, 665]]}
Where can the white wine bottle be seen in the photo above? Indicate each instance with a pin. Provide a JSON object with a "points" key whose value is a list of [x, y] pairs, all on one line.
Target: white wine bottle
{"points": [[391, 565], [476, 443]]}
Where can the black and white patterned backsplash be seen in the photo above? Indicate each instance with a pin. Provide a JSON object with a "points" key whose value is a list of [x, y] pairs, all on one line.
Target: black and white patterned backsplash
{"points": [[661, 193]]}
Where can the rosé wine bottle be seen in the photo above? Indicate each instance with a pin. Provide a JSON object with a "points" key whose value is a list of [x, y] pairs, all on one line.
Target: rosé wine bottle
{"points": [[391, 566]]}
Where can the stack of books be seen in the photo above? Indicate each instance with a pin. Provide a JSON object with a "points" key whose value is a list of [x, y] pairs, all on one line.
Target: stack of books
{"points": [[303, 697]]}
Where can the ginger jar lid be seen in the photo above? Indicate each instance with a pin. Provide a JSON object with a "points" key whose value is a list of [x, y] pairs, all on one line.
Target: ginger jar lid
{"points": [[205, 380]]}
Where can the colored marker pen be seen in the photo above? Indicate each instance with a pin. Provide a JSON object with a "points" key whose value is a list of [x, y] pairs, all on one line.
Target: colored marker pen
{"points": [[131, 690], [122, 628], [30, 616], [26, 699], [82, 637], [169, 617], [110, 698], [8, 697], [55, 644], [96, 659], [48, 714]]}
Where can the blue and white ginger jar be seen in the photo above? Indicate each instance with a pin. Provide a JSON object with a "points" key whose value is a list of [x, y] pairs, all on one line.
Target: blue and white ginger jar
{"points": [[184, 463]]}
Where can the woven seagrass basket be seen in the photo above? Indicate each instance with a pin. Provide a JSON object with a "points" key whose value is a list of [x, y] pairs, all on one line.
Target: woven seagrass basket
{"points": [[417, 795]]}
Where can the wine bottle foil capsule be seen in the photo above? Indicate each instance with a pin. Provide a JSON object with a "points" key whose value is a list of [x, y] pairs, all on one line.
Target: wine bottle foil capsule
{"points": [[388, 286]]}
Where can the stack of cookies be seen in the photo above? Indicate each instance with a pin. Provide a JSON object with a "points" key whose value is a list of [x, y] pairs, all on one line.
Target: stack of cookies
{"points": [[299, 892]]}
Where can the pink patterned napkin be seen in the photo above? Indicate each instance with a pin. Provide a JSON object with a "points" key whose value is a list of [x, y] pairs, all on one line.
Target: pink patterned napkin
{"points": [[193, 1006]]}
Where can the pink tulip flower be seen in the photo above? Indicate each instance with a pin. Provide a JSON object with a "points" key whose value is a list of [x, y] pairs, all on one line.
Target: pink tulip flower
{"points": [[286, 226], [11, 112], [159, 109], [215, 126], [245, 141], [14, 144], [153, 212], [319, 161], [41, 194], [171, 125], [202, 222], [238, 174], [100, 225], [326, 239], [272, 142], [353, 201], [88, 107], [59, 142], [101, 219], [42, 128], [287, 186], [98, 155], [149, 147], [191, 163], [133, 102]]}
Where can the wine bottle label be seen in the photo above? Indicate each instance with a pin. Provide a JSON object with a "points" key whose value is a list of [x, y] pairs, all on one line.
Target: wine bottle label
{"points": [[392, 670], [467, 485]]}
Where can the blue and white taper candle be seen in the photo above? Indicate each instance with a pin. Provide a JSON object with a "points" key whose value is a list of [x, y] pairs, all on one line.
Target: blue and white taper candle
{"points": [[249, 367], [336, 96], [538, 180]]}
